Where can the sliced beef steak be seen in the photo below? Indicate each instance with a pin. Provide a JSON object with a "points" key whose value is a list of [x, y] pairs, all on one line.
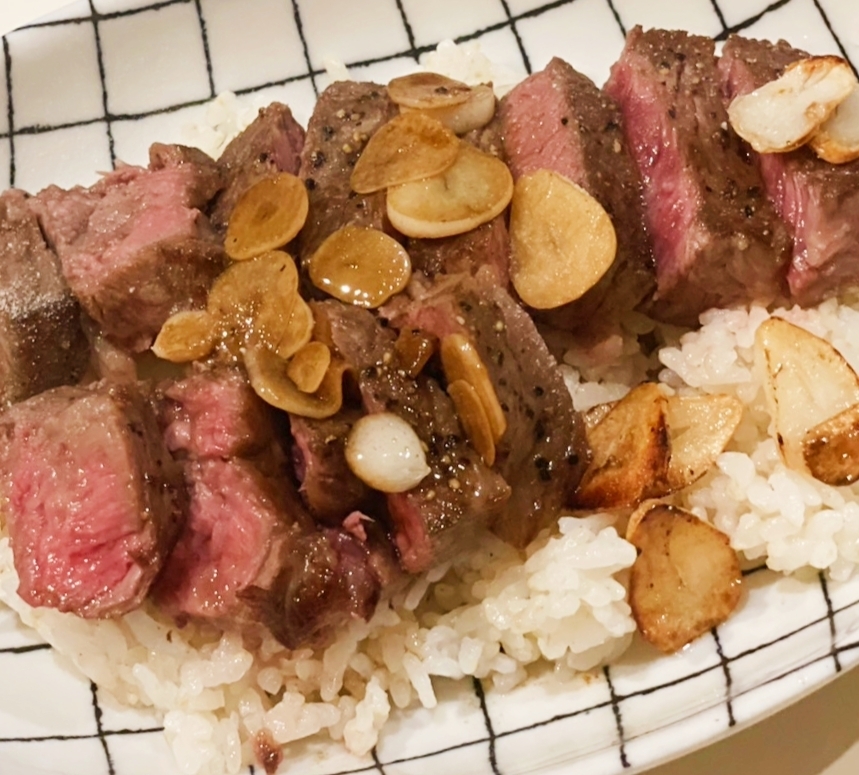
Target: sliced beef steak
{"points": [[238, 527], [42, 343], [271, 144], [93, 500], [559, 120], [543, 452], [436, 519], [347, 114], [819, 201], [717, 240], [328, 487], [135, 247], [216, 414]]}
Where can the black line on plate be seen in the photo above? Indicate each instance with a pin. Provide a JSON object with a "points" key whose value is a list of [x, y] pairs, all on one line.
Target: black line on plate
{"points": [[832, 32], [751, 20], [74, 20], [10, 110], [100, 729], [523, 53], [726, 671], [103, 79], [409, 31], [299, 26], [61, 738], [487, 720], [377, 762], [719, 14], [830, 615], [618, 718], [752, 571], [204, 36], [26, 649], [617, 17]]}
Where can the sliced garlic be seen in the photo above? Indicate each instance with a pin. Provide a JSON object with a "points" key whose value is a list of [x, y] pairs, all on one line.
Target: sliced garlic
{"points": [[384, 451], [474, 113], [267, 216], [360, 265], [782, 114], [472, 416], [471, 192], [267, 373], [837, 138], [409, 147], [186, 336], [299, 329], [308, 366], [461, 361], [427, 90], [562, 240]]}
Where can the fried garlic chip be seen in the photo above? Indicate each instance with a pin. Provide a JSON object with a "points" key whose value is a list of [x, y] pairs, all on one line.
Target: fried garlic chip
{"points": [[562, 240], [475, 189], [837, 139], [267, 216], [409, 147], [360, 265], [474, 113], [427, 90], [186, 336]]}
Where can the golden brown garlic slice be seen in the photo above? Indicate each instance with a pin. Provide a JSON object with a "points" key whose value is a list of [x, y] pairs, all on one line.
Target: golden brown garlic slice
{"points": [[186, 336], [686, 579], [360, 265], [254, 299], [299, 329], [562, 240], [267, 216], [307, 368], [472, 415], [409, 147], [268, 375], [472, 191], [427, 90], [461, 361]]}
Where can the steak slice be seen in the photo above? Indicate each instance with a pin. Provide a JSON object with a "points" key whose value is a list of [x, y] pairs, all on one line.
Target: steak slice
{"points": [[717, 240], [543, 452], [328, 487], [438, 518], [42, 343], [270, 144], [135, 247], [216, 414], [819, 201], [347, 114], [239, 526], [559, 120], [92, 499]]}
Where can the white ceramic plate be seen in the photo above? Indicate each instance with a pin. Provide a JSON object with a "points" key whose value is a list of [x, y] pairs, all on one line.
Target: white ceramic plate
{"points": [[99, 81]]}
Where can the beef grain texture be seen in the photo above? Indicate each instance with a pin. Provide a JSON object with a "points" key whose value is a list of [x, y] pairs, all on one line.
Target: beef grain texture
{"points": [[437, 519], [93, 500], [717, 240], [270, 144], [557, 119], [347, 114], [819, 201], [135, 247], [42, 343]]}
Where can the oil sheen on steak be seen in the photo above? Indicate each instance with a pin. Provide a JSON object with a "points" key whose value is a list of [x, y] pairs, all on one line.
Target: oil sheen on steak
{"points": [[93, 500], [42, 343], [819, 201], [559, 120], [717, 240]]}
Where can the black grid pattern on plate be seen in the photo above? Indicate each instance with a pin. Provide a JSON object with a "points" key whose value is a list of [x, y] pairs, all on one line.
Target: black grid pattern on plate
{"points": [[841, 653]]}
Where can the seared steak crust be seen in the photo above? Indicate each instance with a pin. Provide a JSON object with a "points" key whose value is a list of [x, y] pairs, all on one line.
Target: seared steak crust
{"points": [[717, 240]]}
